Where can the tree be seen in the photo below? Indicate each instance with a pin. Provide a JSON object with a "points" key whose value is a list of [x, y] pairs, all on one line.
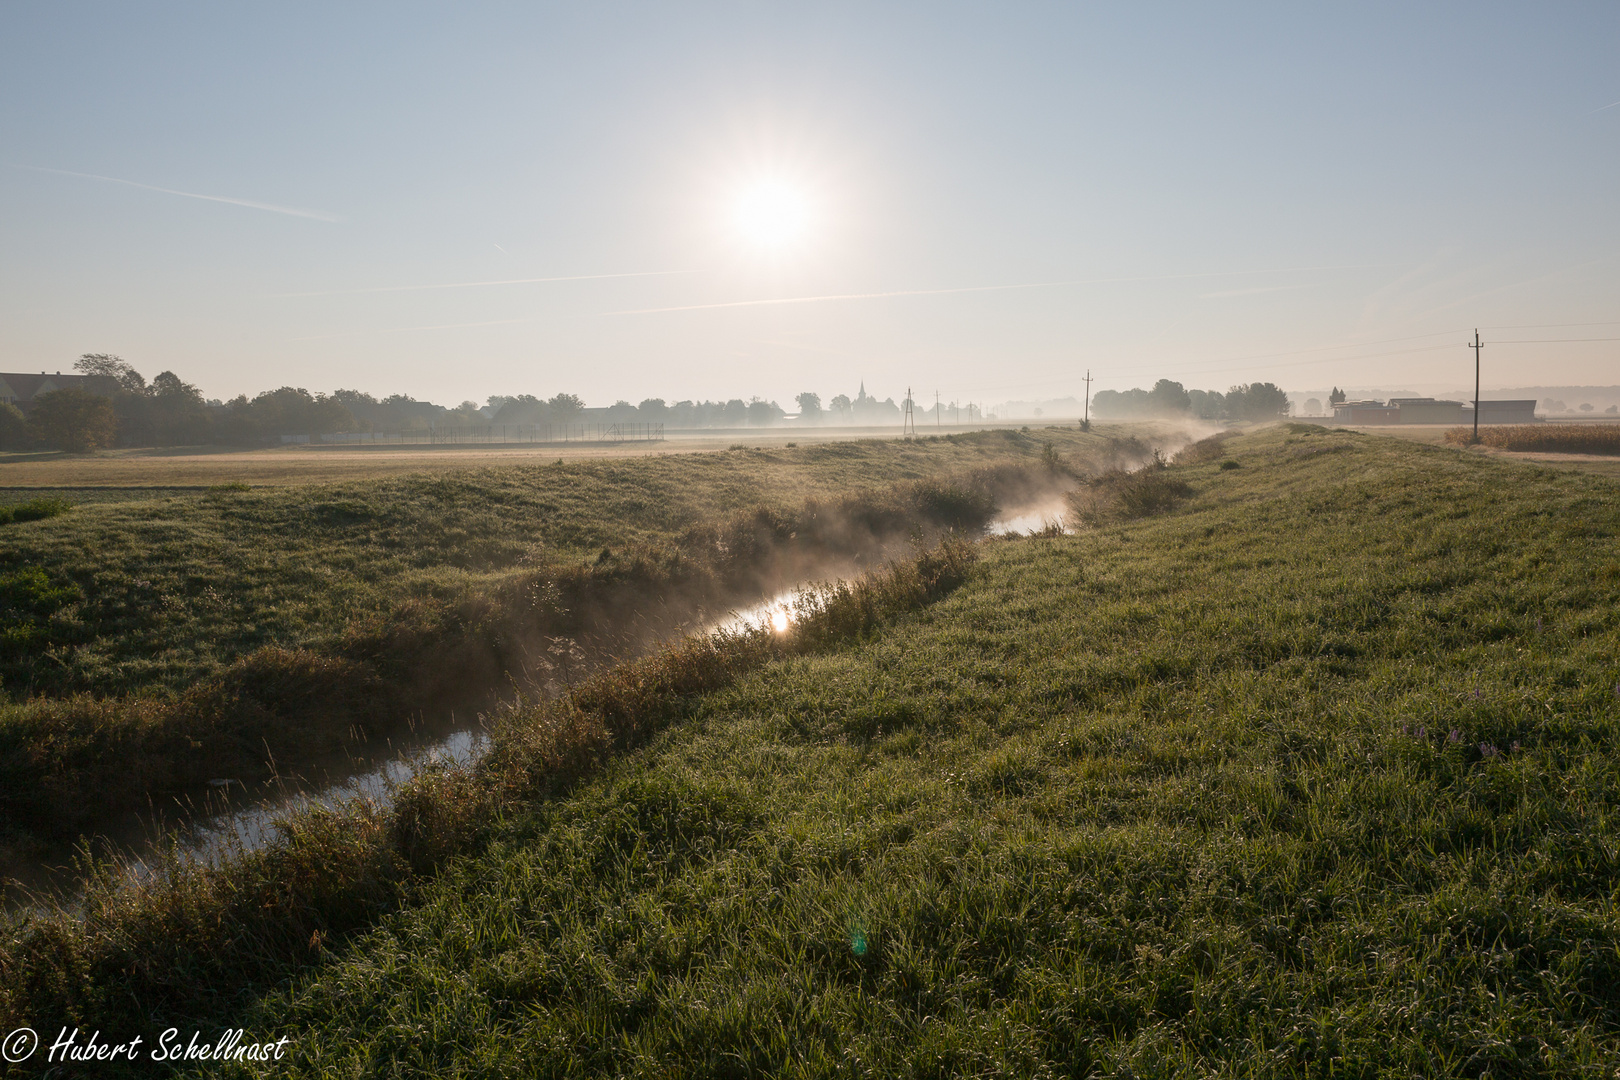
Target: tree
{"points": [[841, 405], [1118, 405], [1313, 406], [564, 407], [14, 427], [1256, 401], [521, 409], [74, 420], [653, 410], [112, 367], [1169, 397], [177, 413], [464, 415], [1338, 397], [1207, 404], [809, 407], [287, 411], [131, 397]]}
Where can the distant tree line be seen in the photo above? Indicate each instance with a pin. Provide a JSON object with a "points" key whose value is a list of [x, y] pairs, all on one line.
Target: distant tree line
{"points": [[568, 409], [1251, 401], [167, 411]]}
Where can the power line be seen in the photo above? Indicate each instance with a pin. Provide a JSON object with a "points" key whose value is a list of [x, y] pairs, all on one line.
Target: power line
{"points": [[1552, 325], [1550, 340]]}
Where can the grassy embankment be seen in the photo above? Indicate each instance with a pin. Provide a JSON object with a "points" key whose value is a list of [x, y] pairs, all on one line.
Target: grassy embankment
{"points": [[196, 940], [1547, 438], [155, 640], [1313, 774]]}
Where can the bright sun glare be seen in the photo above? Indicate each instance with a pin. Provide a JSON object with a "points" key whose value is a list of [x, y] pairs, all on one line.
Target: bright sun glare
{"points": [[772, 213]]}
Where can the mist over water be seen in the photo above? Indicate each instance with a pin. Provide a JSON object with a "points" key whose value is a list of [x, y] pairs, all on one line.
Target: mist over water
{"points": [[231, 818], [1028, 521]]}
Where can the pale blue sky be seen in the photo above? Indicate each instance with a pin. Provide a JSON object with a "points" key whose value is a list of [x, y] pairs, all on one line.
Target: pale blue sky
{"points": [[1297, 193]]}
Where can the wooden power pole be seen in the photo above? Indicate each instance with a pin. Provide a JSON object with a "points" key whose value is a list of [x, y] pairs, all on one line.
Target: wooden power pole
{"points": [[1085, 425], [1476, 346]]}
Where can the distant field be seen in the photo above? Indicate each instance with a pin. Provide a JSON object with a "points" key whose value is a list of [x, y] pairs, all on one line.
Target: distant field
{"points": [[295, 464], [1564, 459], [1311, 771]]}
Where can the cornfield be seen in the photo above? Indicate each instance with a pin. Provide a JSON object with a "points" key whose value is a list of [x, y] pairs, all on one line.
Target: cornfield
{"points": [[1553, 438]]}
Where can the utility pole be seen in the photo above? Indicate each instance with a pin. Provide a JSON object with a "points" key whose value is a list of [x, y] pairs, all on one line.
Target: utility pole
{"points": [[1476, 346], [937, 420], [1085, 425], [908, 424]]}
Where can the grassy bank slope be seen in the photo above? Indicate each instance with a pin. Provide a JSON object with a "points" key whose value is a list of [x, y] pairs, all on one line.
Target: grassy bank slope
{"points": [[169, 587], [164, 640], [1313, 775]]}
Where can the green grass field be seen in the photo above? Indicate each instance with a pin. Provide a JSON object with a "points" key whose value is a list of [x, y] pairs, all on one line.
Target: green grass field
{"points": [[151, 640], [176, 585], [1309, 772]]}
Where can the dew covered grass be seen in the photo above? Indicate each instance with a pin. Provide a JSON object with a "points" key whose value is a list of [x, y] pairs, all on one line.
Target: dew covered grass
{"points": [[174, 585], [1312, 774], [151, 644]]}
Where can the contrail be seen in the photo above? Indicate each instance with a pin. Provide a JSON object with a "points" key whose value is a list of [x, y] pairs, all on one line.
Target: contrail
{"points": [[1610, 105], [291, 210], [475, 284], [966, 289]]}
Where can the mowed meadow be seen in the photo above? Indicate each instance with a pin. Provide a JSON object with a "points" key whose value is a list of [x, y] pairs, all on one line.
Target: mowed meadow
{"points": [[1296, 759]]}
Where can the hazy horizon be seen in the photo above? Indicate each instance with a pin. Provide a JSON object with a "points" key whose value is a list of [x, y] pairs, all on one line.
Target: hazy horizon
{"points": [[736, 200]]}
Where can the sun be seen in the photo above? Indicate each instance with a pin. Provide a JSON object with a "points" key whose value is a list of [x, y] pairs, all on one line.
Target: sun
{"points": [[772, 213]]}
